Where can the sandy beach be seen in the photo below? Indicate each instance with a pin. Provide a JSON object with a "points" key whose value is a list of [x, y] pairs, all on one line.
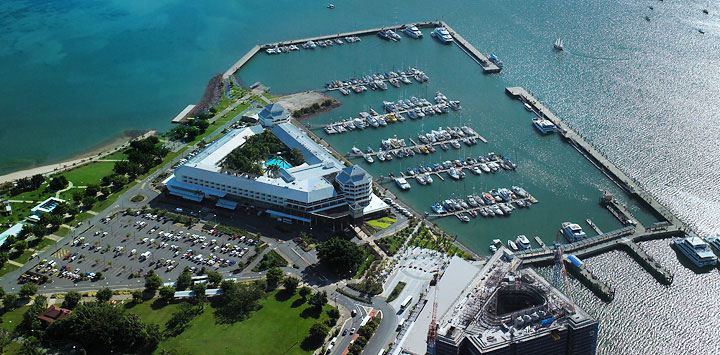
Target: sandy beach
{"points": [[91, 155]]}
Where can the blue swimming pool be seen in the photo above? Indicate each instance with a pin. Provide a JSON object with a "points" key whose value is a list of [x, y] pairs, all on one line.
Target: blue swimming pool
{"points": [[279, 162]]}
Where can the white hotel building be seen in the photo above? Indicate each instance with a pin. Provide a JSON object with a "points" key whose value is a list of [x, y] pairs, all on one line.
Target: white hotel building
{"points": [[321, 187]]}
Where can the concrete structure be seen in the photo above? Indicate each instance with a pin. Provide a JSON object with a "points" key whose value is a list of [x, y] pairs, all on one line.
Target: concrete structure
{"points": [[182, 116], [46, 206], [320, 187], [501, 309]]}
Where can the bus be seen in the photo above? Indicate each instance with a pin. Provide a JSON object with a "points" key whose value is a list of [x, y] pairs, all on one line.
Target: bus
{"points": [[406, 302]]}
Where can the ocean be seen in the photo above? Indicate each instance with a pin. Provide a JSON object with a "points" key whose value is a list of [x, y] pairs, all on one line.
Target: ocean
{"points": [[77, 74]]}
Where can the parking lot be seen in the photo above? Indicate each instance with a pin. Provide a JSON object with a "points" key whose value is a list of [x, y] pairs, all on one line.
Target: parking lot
{"points": [[125, 247]]}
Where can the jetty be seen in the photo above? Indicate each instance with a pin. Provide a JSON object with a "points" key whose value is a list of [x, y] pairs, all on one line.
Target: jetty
{"points": [[486, 65], [417, 146], [606, 166], [581, 272], [530, 200], [468, 167]]}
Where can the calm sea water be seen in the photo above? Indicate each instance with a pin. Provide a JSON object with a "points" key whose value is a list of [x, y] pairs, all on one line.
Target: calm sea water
{"points": [[75, 74]]}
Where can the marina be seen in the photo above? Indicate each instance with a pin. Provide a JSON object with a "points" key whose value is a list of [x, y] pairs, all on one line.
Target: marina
{"points": [[492, 163], [378, 81], [398, 148], [413, 108], [497, 202]]}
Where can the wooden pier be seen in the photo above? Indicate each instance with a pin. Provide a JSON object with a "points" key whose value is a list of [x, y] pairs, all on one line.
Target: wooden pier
{"points": [[530, 199]]}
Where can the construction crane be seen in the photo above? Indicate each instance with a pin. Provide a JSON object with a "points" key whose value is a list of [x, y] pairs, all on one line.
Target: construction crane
{"points": [[432, 330]]}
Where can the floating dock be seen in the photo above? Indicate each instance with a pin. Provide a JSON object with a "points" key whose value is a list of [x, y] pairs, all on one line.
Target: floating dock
{"points": [[384, 116], [414, 145], [529, 200], [663, 275]]}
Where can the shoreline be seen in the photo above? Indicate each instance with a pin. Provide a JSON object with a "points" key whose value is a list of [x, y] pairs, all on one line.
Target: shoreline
{"points": [[107, 147]]}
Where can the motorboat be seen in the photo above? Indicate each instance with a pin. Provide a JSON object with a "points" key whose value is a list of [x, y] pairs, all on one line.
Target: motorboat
{"points": [[368, 158], [572, 232], [522, 242], [512, 245], [442, 35], [437, 208], [543, 125], [402, 183], [519, 191], [495, 60], [413, 32], [697, 251], [454, 174]]}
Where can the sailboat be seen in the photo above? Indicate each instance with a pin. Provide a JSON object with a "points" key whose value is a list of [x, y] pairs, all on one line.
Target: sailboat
{"points": [[559, 44]]}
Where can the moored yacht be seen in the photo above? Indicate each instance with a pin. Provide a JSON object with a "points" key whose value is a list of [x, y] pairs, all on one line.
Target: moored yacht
{"points": [[442, 35], [697, 251], [413, 32], [522, 242], [543, 125], [572, 232], [402, 183]]}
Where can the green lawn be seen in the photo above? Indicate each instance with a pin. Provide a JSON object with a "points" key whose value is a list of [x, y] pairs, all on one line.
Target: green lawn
{"points": [[381, 223], [277, 328], [91, 173], [269, 260], [153, 314], [22, 259], [11, 319], [19, 211], [62, 231], [119, 155], [40, 194], [44, 244], [8, 268]]}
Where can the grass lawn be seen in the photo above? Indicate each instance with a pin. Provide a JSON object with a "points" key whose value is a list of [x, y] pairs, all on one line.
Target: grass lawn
{"points": [[396, 291], [11, 319], [381, 223], [40, 194], [89, 174], [8, 268], [150, 313], [20, 210], [269, 260], [44, 243], [22, 259], [119, 155], [277, 328], [62, 231]]}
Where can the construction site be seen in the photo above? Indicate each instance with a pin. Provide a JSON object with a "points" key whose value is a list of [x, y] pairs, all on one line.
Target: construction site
{"points": [[496, 307]]}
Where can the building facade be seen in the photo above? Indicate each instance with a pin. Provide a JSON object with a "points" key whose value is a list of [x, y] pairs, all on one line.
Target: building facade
{"points": [[320, 187]]}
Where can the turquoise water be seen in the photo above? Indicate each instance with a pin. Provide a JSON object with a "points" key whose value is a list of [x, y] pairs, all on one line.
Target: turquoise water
{"points": [[75, 74], [279, 162]]}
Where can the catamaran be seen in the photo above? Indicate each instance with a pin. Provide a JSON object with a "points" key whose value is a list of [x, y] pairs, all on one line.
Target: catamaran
{"points": [[559, 44]]}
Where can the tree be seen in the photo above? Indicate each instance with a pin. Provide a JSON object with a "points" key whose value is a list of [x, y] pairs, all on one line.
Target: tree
{"points": [[137, 296], [304, 292], [214, 278], [333, 313], [31, 346], [167, 294], [72, 299], [10, 302], [5, 340], [237, 301], [103, 295], [28, 290], [30, 323], [152, 283], [102, 328], [291, 283], [273, 276], [318, 299], [317, 333], [58, 183], [184, 280], [199, 292], [341, 256]]}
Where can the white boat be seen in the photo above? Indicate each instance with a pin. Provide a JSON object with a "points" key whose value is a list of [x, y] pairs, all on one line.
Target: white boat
{"points": [[559, 45], [523, 242], [512, 245], [697, 251], [572, 232], [543, 125], [402, 183], [442, 35], [356, 150], [714, 241], [369, 159], [413, 32], [428, 178]]}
